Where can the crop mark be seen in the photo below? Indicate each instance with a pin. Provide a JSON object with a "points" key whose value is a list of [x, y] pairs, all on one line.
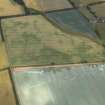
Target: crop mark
{"points": [[1, 32]]}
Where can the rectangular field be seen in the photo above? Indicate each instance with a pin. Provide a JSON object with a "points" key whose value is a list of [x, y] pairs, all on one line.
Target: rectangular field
{"points": [[32, 40], [78, 85]]}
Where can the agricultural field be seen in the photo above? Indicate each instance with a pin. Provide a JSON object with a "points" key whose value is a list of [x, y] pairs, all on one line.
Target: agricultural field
{"points": [[8, 7], [85, 2], [44, 45], [32, 4], [86, 13], [47, 5], [3, 56], [72, 21], [32, 40], [6, 92], [76, 85], [100, 27], [99, 10]]}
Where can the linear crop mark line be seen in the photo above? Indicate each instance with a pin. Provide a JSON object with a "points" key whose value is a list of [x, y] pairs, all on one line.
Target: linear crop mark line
{"points": [[77, 8], [91, 12], [94, 15], [4, 69], [1, 32], [93, 4], [96, 3]]}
